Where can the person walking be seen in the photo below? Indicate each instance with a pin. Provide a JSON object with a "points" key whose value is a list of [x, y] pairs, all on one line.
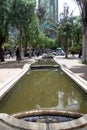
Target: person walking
{"points": [[18, 57]]}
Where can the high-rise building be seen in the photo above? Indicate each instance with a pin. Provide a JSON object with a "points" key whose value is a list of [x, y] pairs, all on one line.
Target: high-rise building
{"points": [[51, 7], [54, 9]]}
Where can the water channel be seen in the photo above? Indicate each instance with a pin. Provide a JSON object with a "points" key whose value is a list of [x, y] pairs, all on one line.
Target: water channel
{"points": [[40, 89]]}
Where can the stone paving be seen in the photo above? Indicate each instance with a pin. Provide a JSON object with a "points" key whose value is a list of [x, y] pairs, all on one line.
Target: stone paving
{"points": [[11, 67], [74, 64]]}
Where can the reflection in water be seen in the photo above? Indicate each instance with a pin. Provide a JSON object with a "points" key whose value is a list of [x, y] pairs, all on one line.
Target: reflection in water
{"points": [[72, 104], [60, 100], [38, 106], [73, 107], [44, 89]]}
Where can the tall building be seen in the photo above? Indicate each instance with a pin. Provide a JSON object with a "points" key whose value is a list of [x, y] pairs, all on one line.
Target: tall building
{"points": [[54, 9], [51, 7]]}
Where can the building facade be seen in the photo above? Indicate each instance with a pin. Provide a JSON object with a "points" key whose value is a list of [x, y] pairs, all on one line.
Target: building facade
{"points": [[51, 7]]}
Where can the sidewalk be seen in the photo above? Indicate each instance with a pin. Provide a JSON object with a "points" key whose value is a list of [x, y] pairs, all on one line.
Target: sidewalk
{"points": [[74, 64], [11, 67], [74, 68]]}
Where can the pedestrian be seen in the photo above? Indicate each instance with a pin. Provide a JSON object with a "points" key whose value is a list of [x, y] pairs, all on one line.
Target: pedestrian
{"points": [[80, 53], [18, 57]]}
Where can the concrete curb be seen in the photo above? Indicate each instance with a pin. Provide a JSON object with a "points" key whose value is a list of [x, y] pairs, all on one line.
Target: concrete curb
{"points": [[7, 85], [17, 124], [78, 80]]}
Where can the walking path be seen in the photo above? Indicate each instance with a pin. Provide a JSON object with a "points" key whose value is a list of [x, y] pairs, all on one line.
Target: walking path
{"points": [[74, 68], [74, 64], [10, 67]]}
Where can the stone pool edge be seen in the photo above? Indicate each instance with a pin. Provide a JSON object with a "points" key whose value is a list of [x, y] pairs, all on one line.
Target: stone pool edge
{"points": [[16, 124], [8, 85], [77, 79], [7, 121]]}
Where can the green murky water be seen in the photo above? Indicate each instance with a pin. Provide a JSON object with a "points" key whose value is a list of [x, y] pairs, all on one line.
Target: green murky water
{"points": [[44, 89]]}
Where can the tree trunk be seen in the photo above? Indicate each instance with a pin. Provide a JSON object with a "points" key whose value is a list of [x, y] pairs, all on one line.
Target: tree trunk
{"points": [[83, 5], [21, 40], [1, 54], [2, 40], [66, 47], [84, 44]]}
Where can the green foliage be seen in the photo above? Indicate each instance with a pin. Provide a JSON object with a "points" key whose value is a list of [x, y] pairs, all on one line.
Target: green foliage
{"points": [[32, 31], [4, 18], [17, 14], [41, 11], [69, 31], [43, 41], [21, 13], [77, 30], [75, 49]]}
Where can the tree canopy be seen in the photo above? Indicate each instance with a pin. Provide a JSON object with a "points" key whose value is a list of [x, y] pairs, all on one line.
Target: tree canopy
{"points": [[16, 13], [83, 9]]}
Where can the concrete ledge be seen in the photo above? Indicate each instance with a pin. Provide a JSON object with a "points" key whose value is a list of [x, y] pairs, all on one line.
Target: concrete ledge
{"points": [[76, 124], [46, 112], [78, 80], [20, 124], [7, 85], [17, 124]]}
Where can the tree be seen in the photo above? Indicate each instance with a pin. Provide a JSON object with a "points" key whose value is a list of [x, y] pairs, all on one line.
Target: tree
{"points": [[31, 32], [15, 13], [83, 9], [65, 30], [21, 14], [4, 19], [41, 11], [77, 30]]}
